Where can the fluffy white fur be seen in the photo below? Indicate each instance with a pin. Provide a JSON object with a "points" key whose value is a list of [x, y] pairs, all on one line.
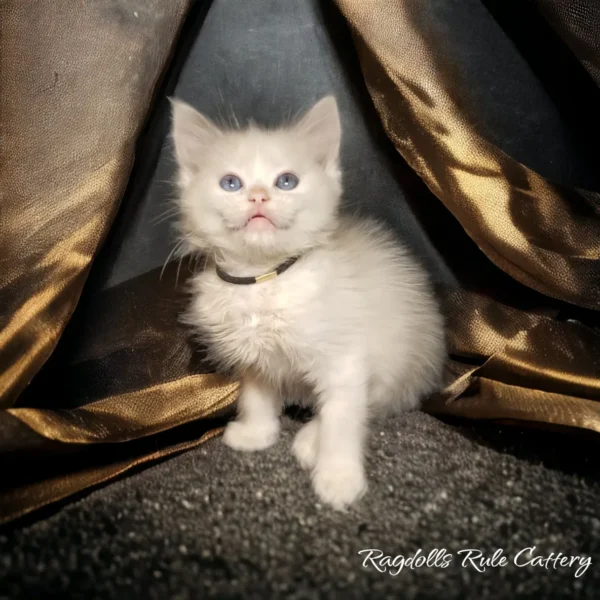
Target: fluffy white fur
{"points": [[351, 329]]}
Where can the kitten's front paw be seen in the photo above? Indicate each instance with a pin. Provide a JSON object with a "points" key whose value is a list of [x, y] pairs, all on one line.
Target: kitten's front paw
{"points": [[305, 444], [248, 436], [339, 483]]}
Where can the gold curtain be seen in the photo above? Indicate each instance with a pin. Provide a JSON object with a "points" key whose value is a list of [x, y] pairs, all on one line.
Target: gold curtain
{"points": [[531, 364], [77, 80], [577, 21]]}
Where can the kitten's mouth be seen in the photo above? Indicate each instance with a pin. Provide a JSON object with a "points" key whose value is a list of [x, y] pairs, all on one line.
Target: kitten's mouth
{"points": [[259, 220]]}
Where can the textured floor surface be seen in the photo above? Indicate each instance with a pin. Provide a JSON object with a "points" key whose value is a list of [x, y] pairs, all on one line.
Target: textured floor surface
{"points": [[215, 523]]}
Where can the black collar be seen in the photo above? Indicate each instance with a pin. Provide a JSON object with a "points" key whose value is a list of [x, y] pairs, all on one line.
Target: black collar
{"points": [[284, 266]]}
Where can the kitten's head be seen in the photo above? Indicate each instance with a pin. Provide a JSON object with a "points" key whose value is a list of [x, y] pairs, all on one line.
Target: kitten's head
{"points": [[257, 194]]}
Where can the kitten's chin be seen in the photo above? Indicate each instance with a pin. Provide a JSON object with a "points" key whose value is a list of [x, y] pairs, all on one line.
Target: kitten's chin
{"points": [[260, 242], [262, 239], [263, 236]]}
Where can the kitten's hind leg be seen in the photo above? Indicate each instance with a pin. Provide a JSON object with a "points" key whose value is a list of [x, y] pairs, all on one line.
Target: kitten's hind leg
{"points": [[257, 424], [388, 398], [306, 443]]}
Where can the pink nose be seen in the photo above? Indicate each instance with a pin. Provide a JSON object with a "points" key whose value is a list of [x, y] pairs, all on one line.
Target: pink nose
{"points": [[258, 195]]}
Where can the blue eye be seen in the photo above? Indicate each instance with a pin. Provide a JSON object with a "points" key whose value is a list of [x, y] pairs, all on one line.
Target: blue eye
{"points": [[231, 183], [287, 181]]}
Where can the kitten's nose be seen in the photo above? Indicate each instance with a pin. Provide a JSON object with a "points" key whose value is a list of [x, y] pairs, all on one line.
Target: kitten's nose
{"points": [[258, 195]]}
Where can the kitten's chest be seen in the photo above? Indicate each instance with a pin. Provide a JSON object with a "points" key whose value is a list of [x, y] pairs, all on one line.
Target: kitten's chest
{"points": [[261, 311], [262, 322]]}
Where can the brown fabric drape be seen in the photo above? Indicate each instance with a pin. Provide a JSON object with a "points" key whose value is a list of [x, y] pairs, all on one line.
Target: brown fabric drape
{"points": [[577, 22], [77, 80], [132, 390], [28, 496], [531, 364]]}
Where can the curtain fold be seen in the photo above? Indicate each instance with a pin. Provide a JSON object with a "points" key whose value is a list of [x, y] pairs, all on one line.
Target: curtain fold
{"points": [[577, 22], [540, 362], [77, 81], [50, 485]]}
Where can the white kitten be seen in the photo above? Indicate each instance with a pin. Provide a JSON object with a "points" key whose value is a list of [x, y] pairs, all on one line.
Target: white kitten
{"points": [[351, 327]]}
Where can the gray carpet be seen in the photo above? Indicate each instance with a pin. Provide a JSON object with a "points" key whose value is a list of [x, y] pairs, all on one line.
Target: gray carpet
{"points": [[213, 523]]}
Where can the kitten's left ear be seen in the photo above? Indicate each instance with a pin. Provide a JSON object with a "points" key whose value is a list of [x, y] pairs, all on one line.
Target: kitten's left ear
{"points": [[322, 125], [193, 134]]}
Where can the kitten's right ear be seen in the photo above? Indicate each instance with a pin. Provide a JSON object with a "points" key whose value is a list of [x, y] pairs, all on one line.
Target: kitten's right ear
{"points": [[192, 135]]}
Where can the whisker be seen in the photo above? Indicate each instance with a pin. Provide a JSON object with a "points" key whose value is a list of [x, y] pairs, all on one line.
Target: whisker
{"points": [[175, 248], [165, 215], [235, 119], [164, 181], [178, 269]]}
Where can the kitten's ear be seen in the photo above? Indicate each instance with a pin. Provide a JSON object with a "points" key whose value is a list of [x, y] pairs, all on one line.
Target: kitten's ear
{"points": [[322, 125], [193, 134]]}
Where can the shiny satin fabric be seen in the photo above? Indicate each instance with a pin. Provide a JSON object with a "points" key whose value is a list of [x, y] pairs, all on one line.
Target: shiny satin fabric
{"points": [[125, 387], [77, 79], [131, 416], [578, 23], [96, 468], [540, 363]]}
